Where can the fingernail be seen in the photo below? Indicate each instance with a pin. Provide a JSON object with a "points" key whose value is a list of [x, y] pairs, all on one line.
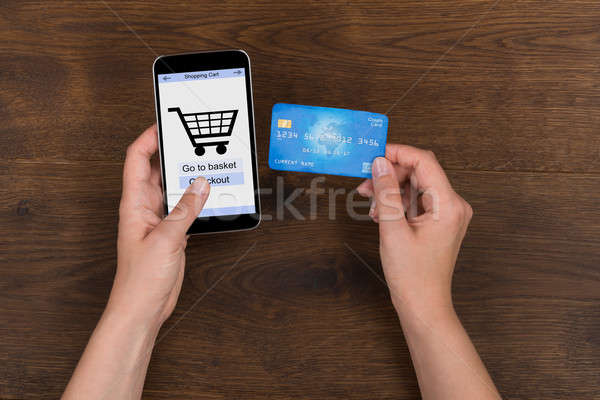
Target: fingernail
{"points": [[364, 192], [380, 167], [372, 209], [199, 186]]}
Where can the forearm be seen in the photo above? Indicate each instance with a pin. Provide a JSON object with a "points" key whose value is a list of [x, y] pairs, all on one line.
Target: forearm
{"points": [[114, 363], [446, 362]]}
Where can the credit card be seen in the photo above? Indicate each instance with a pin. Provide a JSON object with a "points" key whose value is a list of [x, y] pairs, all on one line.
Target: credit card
{"points": [[325, 140]]}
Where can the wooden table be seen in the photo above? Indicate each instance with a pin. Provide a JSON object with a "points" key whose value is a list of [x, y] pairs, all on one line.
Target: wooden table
{"points": [[506, 93]]}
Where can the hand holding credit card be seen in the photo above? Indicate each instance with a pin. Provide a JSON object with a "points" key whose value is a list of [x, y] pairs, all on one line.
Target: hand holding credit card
{"points": [[326, 140]]}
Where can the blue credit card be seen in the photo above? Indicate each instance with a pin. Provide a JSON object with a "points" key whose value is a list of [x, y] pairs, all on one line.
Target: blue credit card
{"points": [[326, 140]]}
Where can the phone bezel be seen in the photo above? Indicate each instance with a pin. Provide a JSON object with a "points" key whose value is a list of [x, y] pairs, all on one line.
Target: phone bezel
{"points": [[203, 61]]}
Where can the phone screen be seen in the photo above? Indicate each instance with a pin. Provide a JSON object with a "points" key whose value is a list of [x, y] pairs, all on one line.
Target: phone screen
{"points": [[205, 127]]}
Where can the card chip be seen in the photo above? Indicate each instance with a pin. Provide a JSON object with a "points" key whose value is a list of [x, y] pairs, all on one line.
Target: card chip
{"points": [[284, 123]]}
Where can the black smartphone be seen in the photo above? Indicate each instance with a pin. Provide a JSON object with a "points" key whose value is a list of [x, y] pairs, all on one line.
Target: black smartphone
{"points": [[205, 120]]}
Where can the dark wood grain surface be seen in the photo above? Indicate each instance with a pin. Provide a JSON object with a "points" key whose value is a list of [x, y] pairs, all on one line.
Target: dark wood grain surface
{"points": [[506, 93]]}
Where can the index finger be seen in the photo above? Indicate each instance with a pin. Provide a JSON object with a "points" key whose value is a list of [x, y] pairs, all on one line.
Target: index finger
{"points": [[137, 166], [425, 167]]}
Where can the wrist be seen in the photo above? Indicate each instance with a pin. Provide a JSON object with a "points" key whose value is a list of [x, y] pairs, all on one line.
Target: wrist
{"points": [[423, 308], [129, 313], [131, 323]]}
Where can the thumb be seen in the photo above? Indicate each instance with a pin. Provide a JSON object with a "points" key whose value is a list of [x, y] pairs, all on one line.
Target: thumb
{"points": [[388, 198], [176, 224]]}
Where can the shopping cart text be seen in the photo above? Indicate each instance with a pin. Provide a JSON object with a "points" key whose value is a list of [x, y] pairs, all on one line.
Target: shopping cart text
{"points": [[201, 75]]}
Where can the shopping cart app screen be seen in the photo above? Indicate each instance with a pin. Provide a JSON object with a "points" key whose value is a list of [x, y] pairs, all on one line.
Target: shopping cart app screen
{"points": [[205, 132]]}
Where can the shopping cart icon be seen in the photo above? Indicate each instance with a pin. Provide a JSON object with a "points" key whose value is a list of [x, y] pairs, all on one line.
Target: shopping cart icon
{"points": [[207, 125]]}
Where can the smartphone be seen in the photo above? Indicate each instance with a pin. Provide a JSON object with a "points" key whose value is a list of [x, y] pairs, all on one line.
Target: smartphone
{"points": [[205, 118]]}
